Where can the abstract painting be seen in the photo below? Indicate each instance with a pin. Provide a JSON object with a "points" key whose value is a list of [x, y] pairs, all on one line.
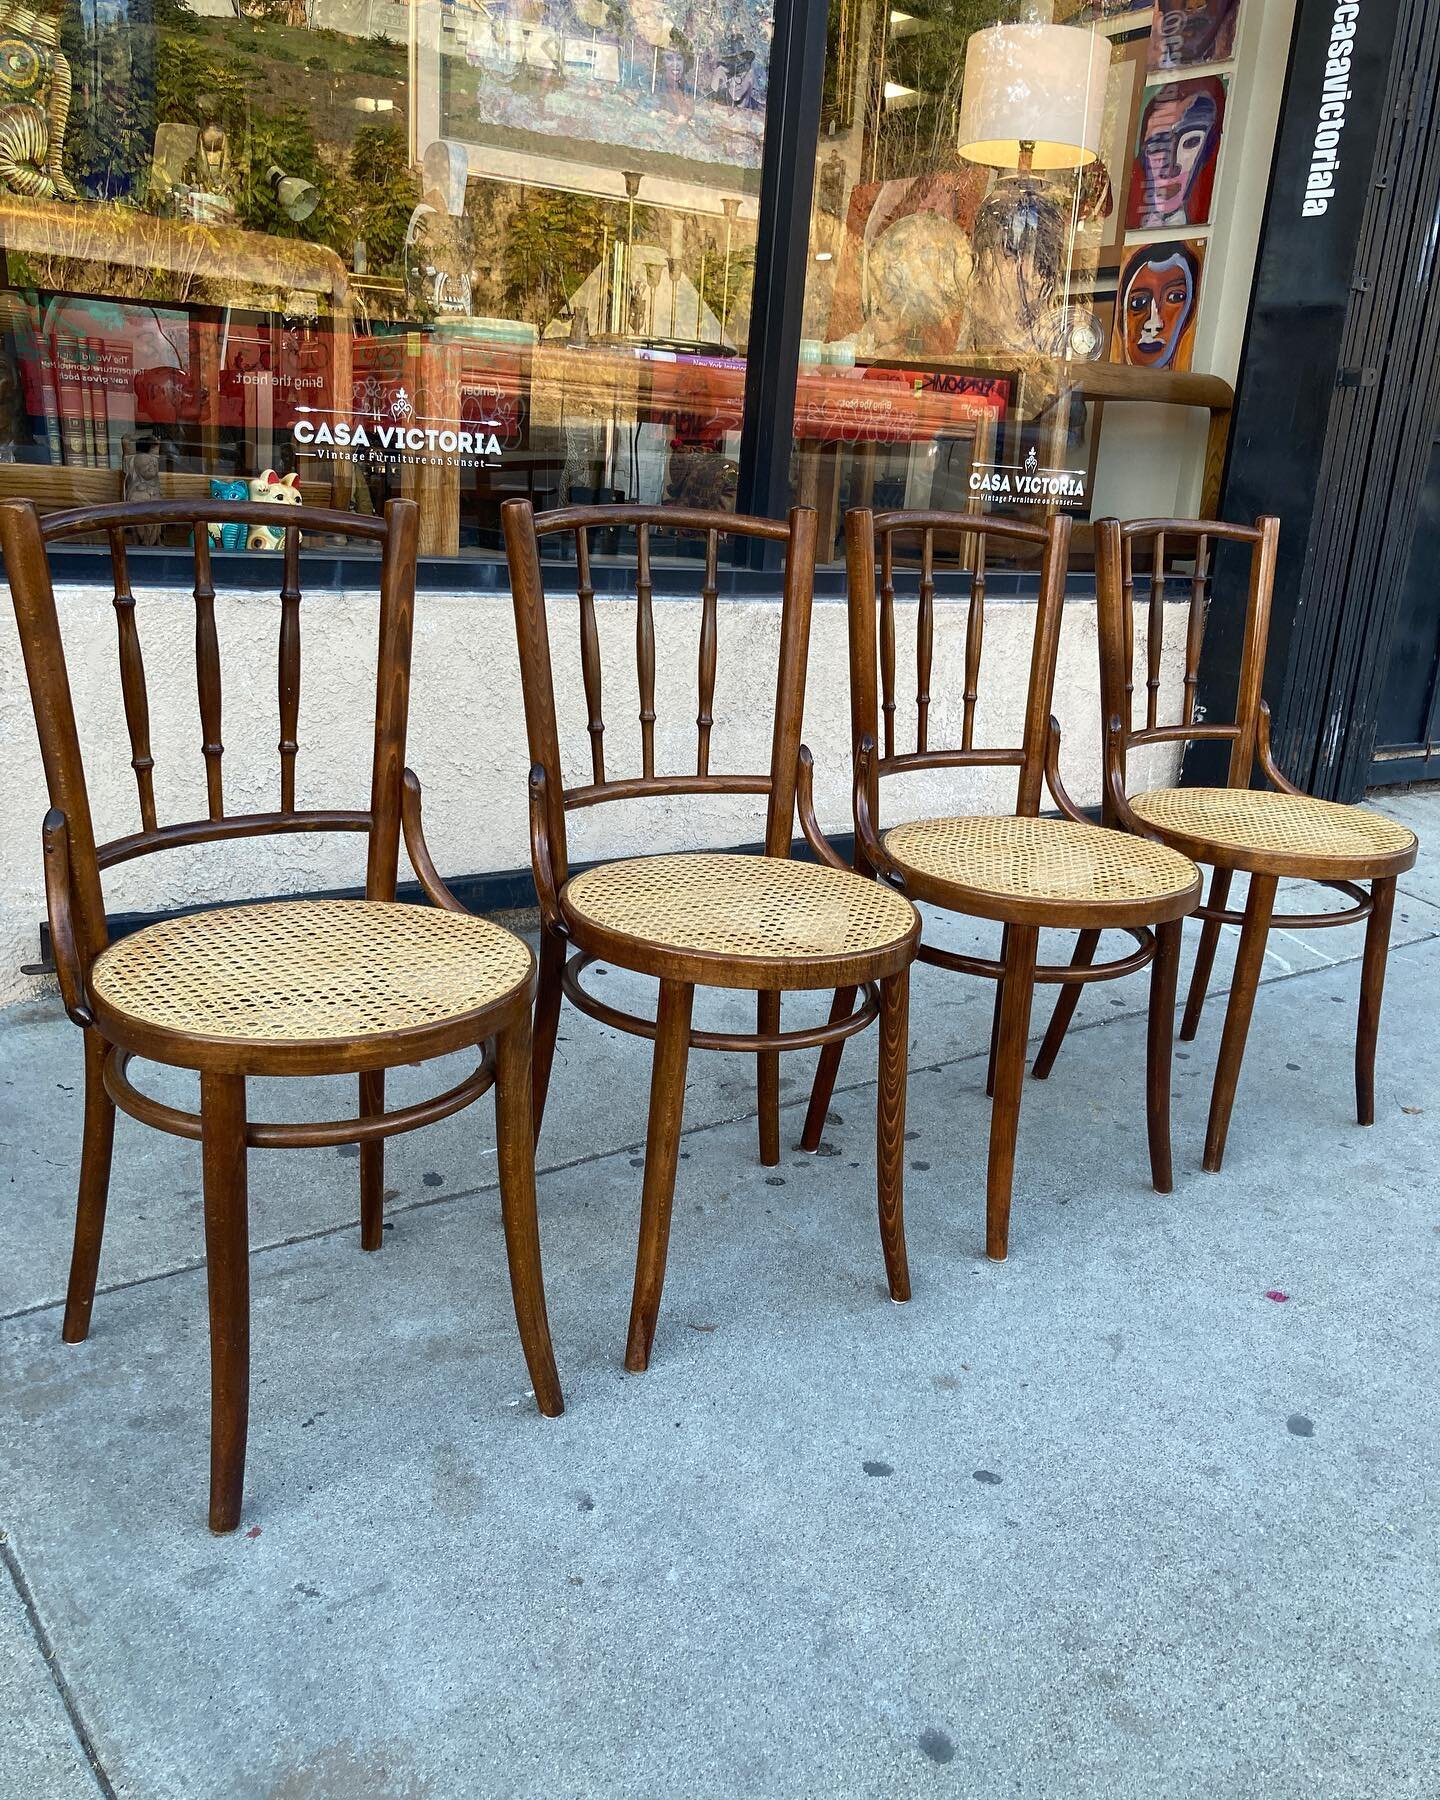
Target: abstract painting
{"points": [[1176, 148], [1186, 33], [1156, 303]]}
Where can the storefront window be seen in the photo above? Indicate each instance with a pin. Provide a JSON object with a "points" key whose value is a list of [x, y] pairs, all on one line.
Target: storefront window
{"points": [[469, 249], [344, 249], [1009, 228]]}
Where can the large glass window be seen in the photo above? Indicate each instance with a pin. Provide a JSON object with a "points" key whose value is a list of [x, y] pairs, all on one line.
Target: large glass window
{"points": [[1009, 230], [344, 249], [468, 249]]}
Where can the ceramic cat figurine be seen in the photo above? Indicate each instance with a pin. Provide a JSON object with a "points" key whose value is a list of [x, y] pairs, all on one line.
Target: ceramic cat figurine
{"points": [[228, 537], [283, 491], [34, 104]]}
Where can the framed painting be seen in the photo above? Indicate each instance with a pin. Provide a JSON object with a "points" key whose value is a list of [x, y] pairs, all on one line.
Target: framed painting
{"points": [[1177, 147], [1186, 33], [1157, 298]]}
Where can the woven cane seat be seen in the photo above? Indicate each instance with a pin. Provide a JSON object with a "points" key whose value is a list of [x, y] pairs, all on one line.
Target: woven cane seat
{"points": [[306, 972], [1004, 860], [741, 911], [1242, 823]]}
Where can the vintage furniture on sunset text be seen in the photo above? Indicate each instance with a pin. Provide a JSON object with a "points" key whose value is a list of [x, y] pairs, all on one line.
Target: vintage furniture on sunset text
{"points": [[317, 987], [759, 923], [1266, 833], [1023, 871]]}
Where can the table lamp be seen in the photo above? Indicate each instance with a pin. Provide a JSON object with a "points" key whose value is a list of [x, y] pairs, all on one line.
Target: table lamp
{"points": [[1033, 97]]}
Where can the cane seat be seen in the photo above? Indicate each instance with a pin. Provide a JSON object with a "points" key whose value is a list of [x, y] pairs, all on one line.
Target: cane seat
{"points": [[1270, 832], [298, 975], [752, 921], [1001, 867]]}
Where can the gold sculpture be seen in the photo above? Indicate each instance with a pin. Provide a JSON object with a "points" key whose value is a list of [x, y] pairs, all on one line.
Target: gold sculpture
{"points": [[34, 104]]}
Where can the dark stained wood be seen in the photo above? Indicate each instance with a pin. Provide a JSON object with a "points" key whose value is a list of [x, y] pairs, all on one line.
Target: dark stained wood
{"points": [[95, 1152], [73, 862], [887, 644], [1159, 1052], [824, 1083], [924, 640], [1155, 633], [1016, 989], [1220, 879], [709, 647], [207, 676], [547, 1019], [590, 655], [662, 1153], [1249, 959], [372, 1163], [227, 1275], [767, 1078], [571, 942], [1372, 988], [1086, 944], [890, 1130], [289, 670], [645, 647], [132, 683], [869, 543], [974, 644], [513, 1110], [1247, 731]]}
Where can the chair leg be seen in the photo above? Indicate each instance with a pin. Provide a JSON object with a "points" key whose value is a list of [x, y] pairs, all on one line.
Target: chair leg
{"points": [[1159, 1052], [995, 1016], [1065, 1003], [890, 1129], [1372, 987], [547, 1022], [826, 1071], [662, 1153], [95, 1153], [372, 1164], [227, 1273], [514, 1121], [1259, 904], [767, 1079], [1017, 990], [1204, 956]]}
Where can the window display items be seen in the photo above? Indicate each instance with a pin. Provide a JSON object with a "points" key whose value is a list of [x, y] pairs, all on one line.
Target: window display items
{"points": [[34, 104], [1195, 31], [1176, 151], [282, 491], [1158, 295]]}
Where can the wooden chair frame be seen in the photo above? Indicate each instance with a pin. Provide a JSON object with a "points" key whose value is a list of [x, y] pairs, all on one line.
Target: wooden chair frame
{"points": [[1248, 734], [75, 902], [1036, 760], [881, 979]]}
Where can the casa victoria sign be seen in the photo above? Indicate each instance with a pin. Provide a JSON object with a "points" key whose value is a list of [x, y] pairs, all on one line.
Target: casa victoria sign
{"points": [[1028, 482]]}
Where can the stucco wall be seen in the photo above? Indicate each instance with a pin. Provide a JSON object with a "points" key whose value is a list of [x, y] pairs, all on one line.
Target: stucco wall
{"points": [[467, 738]]}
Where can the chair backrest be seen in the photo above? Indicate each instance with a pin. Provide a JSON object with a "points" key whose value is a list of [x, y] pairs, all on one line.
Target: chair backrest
{"points": [[870, 546], [1144, 545], [24, 539], [523, 530]]}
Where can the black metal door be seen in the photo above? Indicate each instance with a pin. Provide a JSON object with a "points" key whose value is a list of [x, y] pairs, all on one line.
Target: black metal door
{"points": [[1407, 736]]}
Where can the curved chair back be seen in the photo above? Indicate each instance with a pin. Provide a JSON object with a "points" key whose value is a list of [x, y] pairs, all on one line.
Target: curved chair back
{"points": [[1143, 546], [523, 531], [74, 861], [960, 543]]}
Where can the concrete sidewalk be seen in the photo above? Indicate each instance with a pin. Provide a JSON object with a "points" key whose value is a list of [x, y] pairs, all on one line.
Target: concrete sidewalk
{"points": [[1150, 1510]]}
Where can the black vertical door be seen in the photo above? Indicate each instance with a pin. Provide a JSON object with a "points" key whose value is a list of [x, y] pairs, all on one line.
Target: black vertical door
{"points": [[1407, 736]]}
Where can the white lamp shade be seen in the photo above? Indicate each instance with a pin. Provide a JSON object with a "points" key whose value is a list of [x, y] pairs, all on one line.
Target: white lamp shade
{"points": [[1033, 84]]}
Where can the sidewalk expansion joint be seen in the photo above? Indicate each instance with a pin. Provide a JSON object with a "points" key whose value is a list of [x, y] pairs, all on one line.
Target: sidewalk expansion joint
{"points": [[52, 1664]]}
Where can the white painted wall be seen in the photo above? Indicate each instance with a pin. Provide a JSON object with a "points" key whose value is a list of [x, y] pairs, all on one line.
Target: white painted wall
{"points": [[467, 740]]}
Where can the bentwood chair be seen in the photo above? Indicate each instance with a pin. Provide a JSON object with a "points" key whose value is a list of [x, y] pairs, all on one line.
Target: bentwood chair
{"points": [[294, 987], [763, 923], [1023, 871], [1265, 833]]}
